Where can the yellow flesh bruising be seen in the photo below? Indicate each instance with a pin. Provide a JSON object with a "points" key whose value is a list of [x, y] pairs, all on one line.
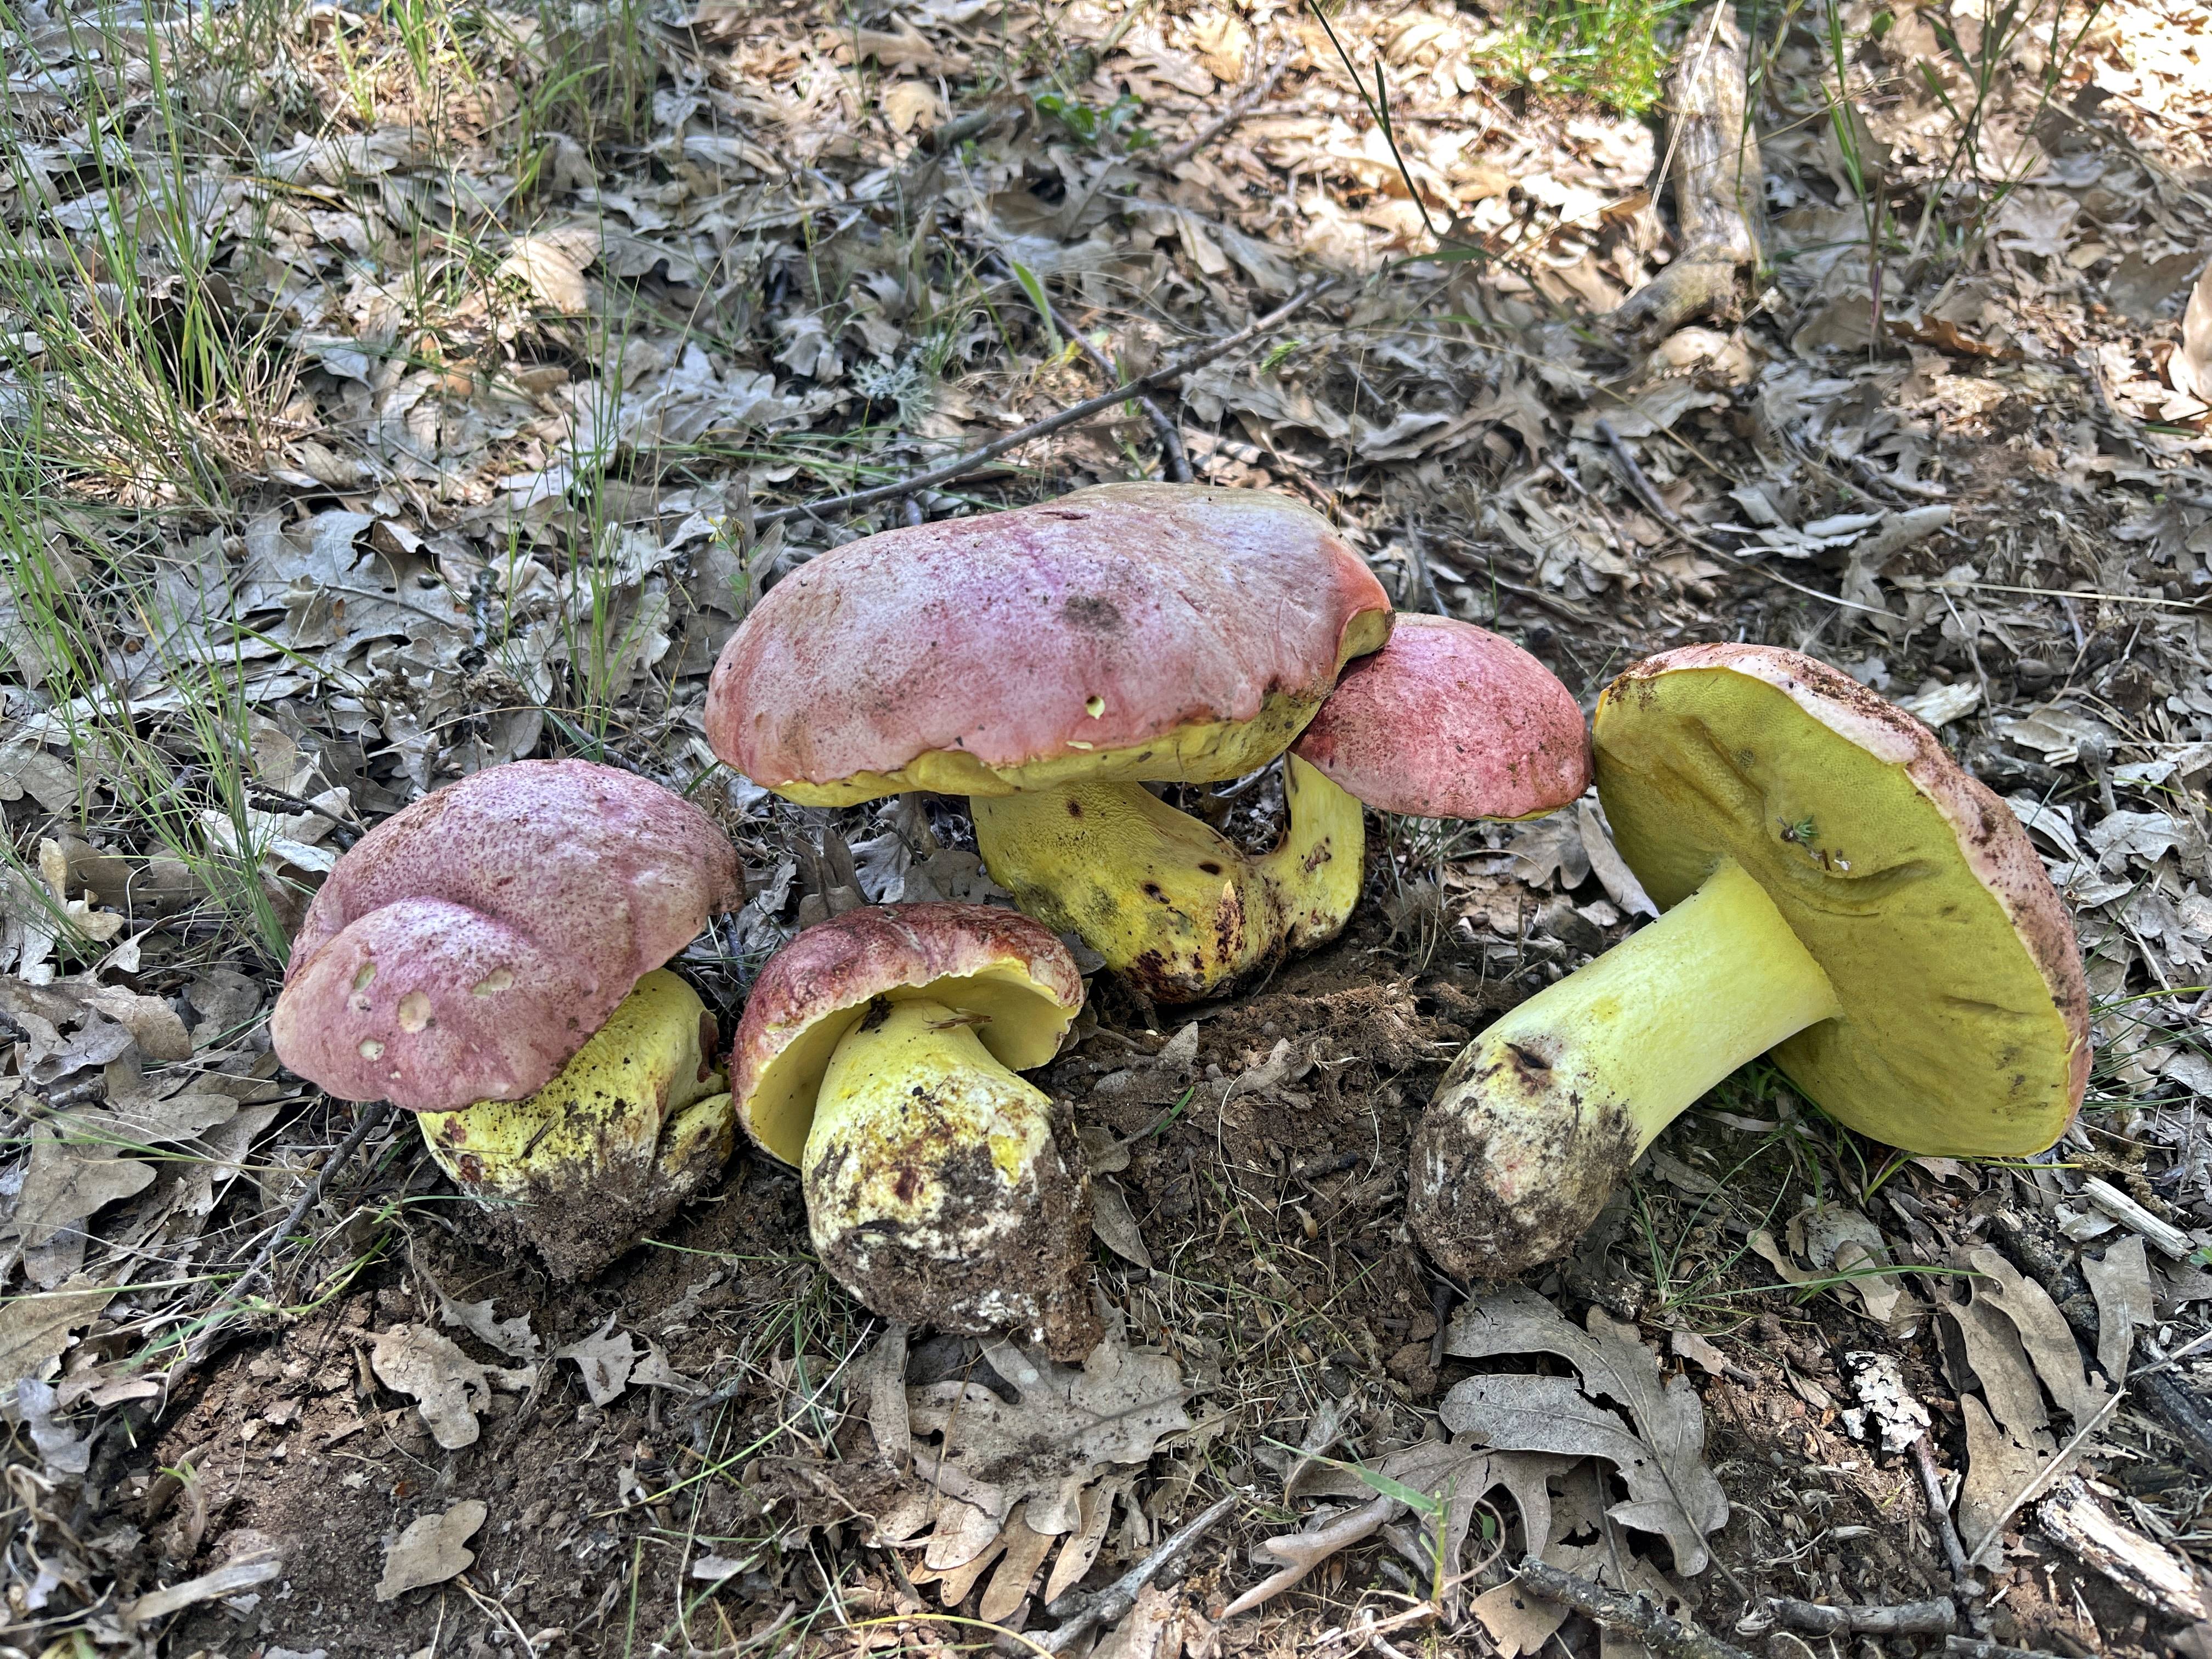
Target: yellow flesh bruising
{"points": [[1167, 900], [643, 1088], [926, 1155], [1539, 1118], [1206, 751]]}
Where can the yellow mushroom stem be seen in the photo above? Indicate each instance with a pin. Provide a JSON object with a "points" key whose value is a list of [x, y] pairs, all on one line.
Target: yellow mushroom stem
{"points": [[1167, 901], [637, 1121], [939, 1184], [1539, 1118]]}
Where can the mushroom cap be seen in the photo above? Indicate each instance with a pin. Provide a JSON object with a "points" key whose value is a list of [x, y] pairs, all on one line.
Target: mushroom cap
{"points": [[1965, 1029], [1161, 632], [974, 959], [1449, 720], [468, 945]]}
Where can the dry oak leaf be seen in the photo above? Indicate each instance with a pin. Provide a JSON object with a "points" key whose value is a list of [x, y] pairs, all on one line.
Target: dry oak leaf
{"points": [[1067, 1425], [1671, 1492], [433, 1549], [450, 1388]]}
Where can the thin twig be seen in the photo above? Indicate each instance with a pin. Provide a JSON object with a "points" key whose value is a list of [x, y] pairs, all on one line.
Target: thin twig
{"points": [[960, 465], [1939, 1509], [2040, 1483], [1667, 1637], [211, 1322], [1246, 101], [1173, 460], [1114, 1601], [1633, 475]]}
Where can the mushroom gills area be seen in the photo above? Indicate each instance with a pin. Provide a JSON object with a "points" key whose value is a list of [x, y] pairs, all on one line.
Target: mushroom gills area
{"points": [[638, 1120], [1539, 1120], [1204, 752], [936, 1186], [1168, 902], [1951, 1044]]}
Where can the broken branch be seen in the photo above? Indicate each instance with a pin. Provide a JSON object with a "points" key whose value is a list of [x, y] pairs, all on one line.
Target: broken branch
{"points": [[1114, 1601], [1907, 1619], [1300, 1553], [1664, 1635], [960, 465], [1716, 186]]}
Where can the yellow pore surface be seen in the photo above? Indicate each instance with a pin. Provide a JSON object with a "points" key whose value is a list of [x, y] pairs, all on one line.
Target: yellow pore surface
{"points": [[1019, 1024], [1948, 1042], [644, 1069]]}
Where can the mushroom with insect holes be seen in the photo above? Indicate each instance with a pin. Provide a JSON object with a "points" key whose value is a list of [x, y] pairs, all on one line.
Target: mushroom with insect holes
{"points": [[485, 958], [1048, 662], [878, 1053], [1837, 891]]}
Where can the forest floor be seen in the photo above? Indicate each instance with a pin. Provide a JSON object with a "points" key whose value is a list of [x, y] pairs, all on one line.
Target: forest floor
{"points": [[395, 392]]}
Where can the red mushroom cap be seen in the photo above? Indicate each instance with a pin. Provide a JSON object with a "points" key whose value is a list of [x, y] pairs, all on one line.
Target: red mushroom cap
{"points": [[468, 945], [1449, 720], [1101, 621], [1013, 973]]}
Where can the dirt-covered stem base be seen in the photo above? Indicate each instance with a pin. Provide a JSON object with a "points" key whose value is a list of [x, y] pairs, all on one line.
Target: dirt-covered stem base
{"points": [[942, 1189], [638, 1122], [1170, 902], [1539, 1120]]}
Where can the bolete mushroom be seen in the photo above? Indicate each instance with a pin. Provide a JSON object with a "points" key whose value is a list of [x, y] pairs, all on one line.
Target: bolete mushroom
{"points": [[1048, 662], [1446, 721], [1836, 891], [484, 957], [878, 1053]]}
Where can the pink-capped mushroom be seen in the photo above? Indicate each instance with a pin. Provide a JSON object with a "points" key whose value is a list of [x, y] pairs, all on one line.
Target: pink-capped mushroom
{"points": [[879, 1053], [460, 959]]}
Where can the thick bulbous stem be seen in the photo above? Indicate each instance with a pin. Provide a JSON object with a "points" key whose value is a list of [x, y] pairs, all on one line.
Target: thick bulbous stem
{"points": [[943, 1189], [1539, 1118], [1170, 902], [638, 1120]]}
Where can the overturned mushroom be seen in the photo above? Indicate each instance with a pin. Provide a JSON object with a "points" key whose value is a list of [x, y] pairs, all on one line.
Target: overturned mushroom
{"points": [[1837, 891], [485, 957], [1050, 661], [878, 1053]]}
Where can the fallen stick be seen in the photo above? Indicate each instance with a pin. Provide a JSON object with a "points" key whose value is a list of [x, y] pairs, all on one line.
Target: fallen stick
{"points": [[2048, 1475], [1300, 1553], [1931, 1484], [1645, 491], [1172, 456], [1114, 1602], [1665, 1636], [1907, 1619], [2161, 1390], [1716, 185], [195, 1350], [1244, 103], [960, 465], [1980, 1647]]}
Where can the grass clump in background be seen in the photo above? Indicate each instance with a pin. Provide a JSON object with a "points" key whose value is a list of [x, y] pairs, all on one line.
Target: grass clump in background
{"points": [[1607, 51]]}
